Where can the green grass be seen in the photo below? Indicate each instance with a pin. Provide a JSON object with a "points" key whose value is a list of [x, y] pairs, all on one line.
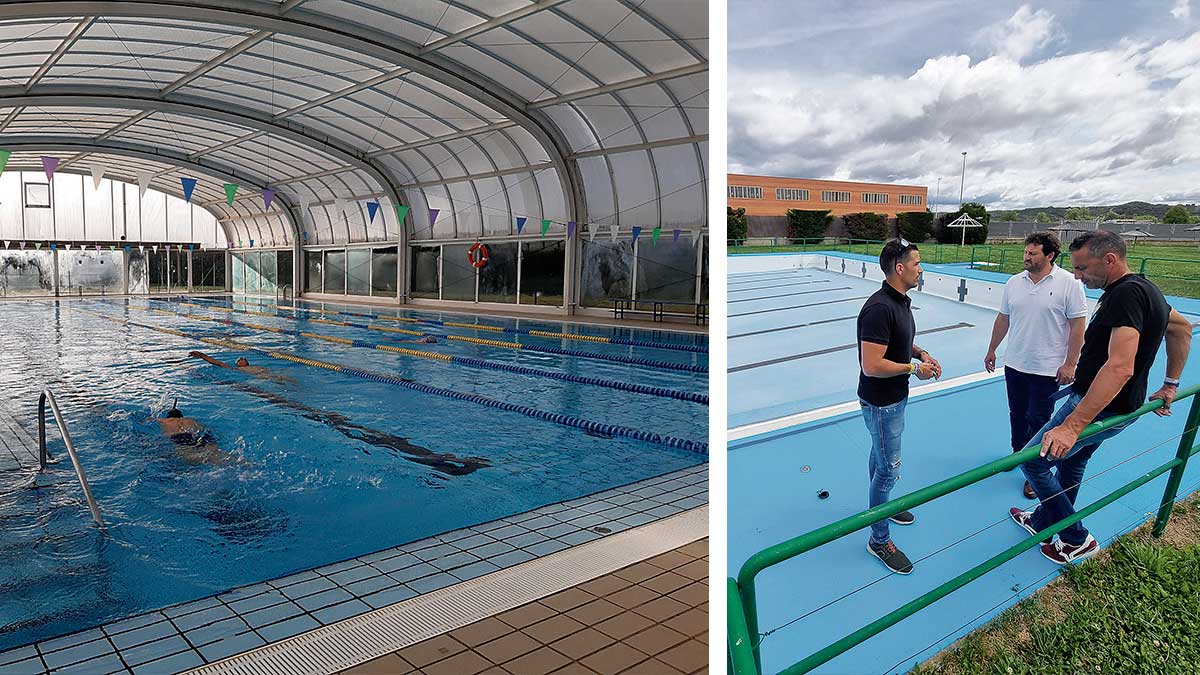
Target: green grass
{"points": [[1133, 609], [1175, 268]]}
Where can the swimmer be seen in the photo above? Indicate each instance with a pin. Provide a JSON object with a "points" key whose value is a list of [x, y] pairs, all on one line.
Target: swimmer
{"points": [[193, 443], [243, 365]]}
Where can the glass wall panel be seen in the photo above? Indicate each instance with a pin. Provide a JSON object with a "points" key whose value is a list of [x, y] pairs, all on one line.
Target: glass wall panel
{"points": [[704, 273], [81, 272], [498, 278], [358, 271], [542, 265], [424, 281], [335, 272], [158, 271], [458, 276], [268, 274], [666, 271], [139, 271], [209, 272], [283, 269], [26, 273], [312, 271], [239, 272], [383, 272], [179, 269], [607, 272]]}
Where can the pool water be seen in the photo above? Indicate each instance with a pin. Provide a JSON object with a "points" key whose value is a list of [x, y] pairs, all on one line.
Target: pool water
{"points": [[315, 466]]}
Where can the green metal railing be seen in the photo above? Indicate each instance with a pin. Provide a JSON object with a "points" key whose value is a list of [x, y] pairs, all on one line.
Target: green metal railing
{"points": [[743, 635]]}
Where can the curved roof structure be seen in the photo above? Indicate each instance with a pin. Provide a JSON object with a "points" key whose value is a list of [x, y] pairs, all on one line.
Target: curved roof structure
{"points": [[485, 110]]}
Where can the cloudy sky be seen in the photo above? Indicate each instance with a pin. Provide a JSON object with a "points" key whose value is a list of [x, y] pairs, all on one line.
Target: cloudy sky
{"points": [[1062, 103]]}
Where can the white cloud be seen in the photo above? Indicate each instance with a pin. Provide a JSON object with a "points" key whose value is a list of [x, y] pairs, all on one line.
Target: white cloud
{"points": [[1182, 10], [1021, 35]]}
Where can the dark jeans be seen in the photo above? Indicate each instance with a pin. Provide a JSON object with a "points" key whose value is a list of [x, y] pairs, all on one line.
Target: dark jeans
{"points": [[1029, 404]]}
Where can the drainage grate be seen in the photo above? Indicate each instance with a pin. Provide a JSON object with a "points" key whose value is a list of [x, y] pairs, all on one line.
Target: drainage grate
{"points": [[359, 639]]}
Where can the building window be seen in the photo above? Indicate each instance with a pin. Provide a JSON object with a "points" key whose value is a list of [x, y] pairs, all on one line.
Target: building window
{"points": [[834, 196], [744, 192], [910, 200], [37, 195], [791, 194], [874, 198]]}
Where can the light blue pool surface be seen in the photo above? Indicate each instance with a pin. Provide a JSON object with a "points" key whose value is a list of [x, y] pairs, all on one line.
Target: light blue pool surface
{"points": [[821, 596], [322, 467]]}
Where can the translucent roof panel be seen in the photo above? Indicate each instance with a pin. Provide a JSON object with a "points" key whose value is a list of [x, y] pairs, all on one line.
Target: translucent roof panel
{"points": [[485, 110]]}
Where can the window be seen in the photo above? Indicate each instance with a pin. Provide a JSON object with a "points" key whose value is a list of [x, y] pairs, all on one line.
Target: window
{"points": [[874, 198], [834, 196], [37, 195], [744, 192], [910, 200], [791, 194]]}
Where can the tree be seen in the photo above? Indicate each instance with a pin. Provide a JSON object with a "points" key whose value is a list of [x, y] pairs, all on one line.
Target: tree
{"points": [[1078, 213], [1112, 215], [1176, 215], [952, 235], [869, 226], [808, 224], [736, 223], [915, 226], [1042, 218]]}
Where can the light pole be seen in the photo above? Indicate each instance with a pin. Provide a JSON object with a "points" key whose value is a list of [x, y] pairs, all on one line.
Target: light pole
{"points": [[961, 182], [937, 201]]}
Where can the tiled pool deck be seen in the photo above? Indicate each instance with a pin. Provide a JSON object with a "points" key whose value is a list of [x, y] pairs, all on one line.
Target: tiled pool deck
{"points": [[192, 634]]}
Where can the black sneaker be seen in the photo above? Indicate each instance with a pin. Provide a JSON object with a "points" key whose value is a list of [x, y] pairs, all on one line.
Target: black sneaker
{"points": [[903, 518], [892, 557]]}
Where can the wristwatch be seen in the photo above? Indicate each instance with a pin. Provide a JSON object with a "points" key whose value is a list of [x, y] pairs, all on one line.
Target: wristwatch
{"points": [[1171, 381]]}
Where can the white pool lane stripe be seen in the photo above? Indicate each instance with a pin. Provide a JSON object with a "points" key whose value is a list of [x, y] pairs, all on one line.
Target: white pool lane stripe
{"points": [[756, 428], [359, 639]]}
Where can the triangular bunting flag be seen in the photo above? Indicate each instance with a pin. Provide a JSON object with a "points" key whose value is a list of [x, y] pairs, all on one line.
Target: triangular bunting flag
{"points": [[4, 155], [143, 183], [128, 247], [97, 175], [521, 224], [613, 232], [268, 197], [37, 245], [592, 230], [49, 164], [401, 212], [6, 241], [571, 225], [53, 246], [67, 246], [97, 248], [112, 247], [372, 209], [154, 248], [695, 237], [637, 231], [545, 227], [433, 214], [189, 184], [251, 243], [304, 234], [656, 234], [230, 192], [141, 249], [675, 236], [22, 246]]}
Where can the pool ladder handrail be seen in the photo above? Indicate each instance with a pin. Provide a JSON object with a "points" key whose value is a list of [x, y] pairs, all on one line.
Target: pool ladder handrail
{"points": [[44, 457], [282, 295]]}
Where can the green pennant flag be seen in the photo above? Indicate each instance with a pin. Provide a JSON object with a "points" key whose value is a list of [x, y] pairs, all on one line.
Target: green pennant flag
{"points": [[545, 227], [401, 212], [657, 232], [4, 155], [230, 192]]}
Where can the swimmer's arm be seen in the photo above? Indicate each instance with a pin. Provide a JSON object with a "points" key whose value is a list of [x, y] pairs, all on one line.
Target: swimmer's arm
{"points": [[206, 357]]}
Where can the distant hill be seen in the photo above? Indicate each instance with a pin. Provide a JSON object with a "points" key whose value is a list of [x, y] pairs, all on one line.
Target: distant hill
{"points": [[1126, 210]]}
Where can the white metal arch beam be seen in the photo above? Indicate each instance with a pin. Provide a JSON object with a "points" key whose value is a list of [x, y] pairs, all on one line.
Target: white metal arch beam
{"points": [[153, 154]]}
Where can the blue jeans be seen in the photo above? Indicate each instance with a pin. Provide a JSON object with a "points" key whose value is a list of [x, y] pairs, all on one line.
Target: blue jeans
{"points": [[886, 425], [1029, 404], [1057, 490]]}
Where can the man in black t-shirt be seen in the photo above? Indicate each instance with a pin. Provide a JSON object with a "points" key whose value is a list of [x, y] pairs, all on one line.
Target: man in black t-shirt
{"points": [[885, 354], [1119, 346]]}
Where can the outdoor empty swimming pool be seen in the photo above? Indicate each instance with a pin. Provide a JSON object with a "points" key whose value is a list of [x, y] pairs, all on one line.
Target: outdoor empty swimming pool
{"points": [[355, 439]]}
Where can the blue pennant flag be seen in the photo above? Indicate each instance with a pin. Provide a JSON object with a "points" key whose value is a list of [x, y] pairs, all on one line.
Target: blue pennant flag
{"points": [[636, 232], [372, 208], [189, 184], [521, 224]]}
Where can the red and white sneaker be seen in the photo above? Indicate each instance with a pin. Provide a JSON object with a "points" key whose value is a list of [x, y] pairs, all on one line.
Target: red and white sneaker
{"points": [[1023, 518], [1062, 553]]}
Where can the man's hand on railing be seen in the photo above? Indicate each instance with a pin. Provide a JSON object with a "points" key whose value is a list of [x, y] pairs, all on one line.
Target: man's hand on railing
{"points": [[1167, 394]]}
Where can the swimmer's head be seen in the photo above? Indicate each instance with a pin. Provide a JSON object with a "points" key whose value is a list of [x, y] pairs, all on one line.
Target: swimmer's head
{"points": [[175, 411], [241, 362]]}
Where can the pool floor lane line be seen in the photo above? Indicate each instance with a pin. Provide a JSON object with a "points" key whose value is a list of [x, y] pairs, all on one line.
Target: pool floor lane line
{"points": [[839, 348], [812, 304], [350, 642], [799, 325], [763, 288], [788, 295]]}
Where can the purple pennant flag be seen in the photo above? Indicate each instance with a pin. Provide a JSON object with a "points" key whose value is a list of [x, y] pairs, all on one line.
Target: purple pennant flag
{"points": [[521, 224], [636, 231], [372, 209], [22, 246], [433, 214], [49, 164], [675, 236], [189, 184], [571, 225], [268, 197]]}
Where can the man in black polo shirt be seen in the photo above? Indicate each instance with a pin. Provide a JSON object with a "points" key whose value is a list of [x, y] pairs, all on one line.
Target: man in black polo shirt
{"points": [[885, 355], [1119, 347]]}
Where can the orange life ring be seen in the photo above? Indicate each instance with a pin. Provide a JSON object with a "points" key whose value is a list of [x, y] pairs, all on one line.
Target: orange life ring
{"points": [[482, 258]]}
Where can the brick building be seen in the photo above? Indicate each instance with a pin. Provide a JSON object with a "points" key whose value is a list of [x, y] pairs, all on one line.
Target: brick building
{"points": [[771, 196]]}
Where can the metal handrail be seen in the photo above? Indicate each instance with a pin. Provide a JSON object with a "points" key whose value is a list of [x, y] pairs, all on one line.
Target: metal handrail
{"points": [[743, 645], [283, 292], [44, 454]]}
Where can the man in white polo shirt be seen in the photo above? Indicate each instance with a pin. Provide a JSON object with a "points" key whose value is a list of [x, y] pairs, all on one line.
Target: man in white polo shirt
{"points": [[1044, 314]]}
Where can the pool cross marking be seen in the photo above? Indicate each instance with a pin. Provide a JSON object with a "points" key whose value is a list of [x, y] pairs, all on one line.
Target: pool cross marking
{"points": [[962, 290]]}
